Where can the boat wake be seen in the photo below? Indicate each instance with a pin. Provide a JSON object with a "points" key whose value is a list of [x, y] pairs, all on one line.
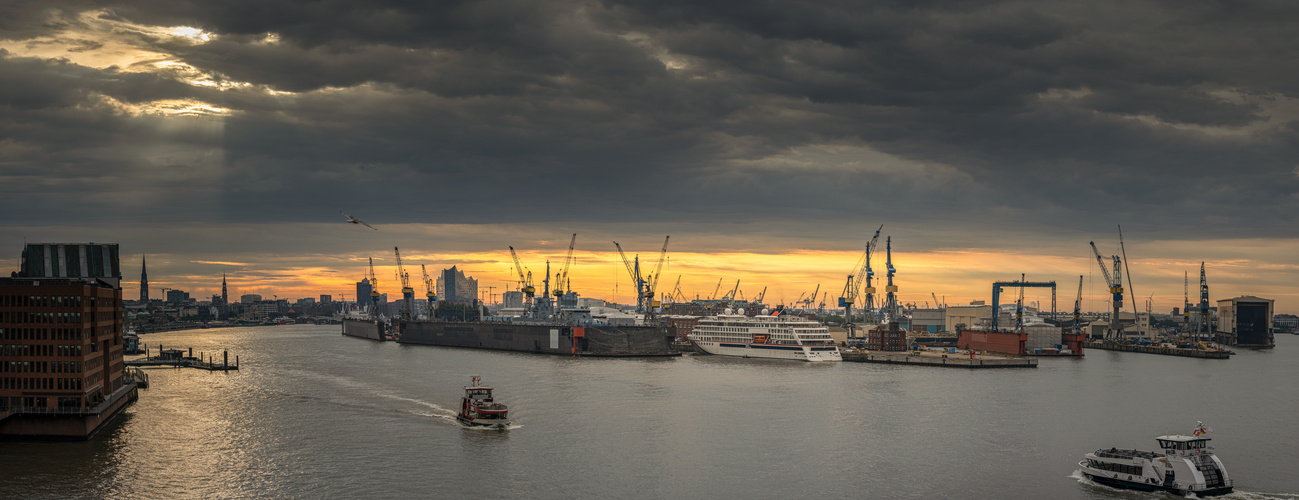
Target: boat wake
{"points": [[1238, 494], [432, 410]]}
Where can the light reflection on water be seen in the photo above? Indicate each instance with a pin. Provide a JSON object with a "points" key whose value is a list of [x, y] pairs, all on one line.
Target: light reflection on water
{"points": [[317, 415]]}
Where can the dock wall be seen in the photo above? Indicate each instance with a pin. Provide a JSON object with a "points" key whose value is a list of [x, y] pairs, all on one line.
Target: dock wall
{"points": [[365, 329], [1166, 351], [950, 362], [542, 338]]}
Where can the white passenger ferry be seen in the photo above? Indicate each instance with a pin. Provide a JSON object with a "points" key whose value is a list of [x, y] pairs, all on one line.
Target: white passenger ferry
{"points": [[1185, 466], [767, 335]]}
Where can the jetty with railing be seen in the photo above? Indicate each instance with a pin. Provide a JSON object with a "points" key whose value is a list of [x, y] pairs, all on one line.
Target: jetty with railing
{"points": [[178, 358]]}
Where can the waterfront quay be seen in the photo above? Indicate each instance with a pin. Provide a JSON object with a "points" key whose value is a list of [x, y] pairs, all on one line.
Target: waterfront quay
{"points": [[1166, 351], [937, 358]]}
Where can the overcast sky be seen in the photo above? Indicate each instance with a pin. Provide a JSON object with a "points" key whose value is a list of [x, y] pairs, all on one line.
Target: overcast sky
{"points": [[989, 137]]}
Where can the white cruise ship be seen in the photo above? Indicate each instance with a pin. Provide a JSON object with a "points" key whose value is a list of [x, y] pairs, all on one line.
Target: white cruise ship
{"points": [[764, 336]]}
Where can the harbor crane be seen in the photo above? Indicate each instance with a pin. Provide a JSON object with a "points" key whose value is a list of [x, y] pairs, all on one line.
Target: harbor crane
{"points": [[891, 290], [1019, 308], [730, 296], [1113, 331], [850, 289], [428, 290], [561, 285], [654, 279], [645, 284], [763, 295], [716, 289], [1077, 309], [1021, 284], [676, 295], [807, 303], [1203, 327], [374, 292], [525, 282], [407, 293]]}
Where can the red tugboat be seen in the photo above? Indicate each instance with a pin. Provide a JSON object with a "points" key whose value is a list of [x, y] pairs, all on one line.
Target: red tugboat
{"points": [[478, 408]]}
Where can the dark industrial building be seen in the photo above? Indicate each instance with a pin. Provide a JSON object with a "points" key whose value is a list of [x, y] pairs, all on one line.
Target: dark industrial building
{"points": [[61, 369], [1246, 321]]}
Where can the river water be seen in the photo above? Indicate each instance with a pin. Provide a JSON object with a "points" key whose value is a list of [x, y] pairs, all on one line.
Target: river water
{"points": [[313, 414]]}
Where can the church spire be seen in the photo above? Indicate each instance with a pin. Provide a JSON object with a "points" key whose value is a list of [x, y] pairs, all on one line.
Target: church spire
{"points": [[225, 297], [144, 280]]}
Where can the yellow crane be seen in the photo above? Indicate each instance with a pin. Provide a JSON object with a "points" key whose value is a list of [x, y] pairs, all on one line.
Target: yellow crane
{"points": [[561, 284], [428, 290], [407, 293], [374, 292], [525, 283]]}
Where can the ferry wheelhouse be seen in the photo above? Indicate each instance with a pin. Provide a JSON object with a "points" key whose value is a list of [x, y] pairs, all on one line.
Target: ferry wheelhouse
{"points": [[767, 335], [1186, 466], [478, 408]]}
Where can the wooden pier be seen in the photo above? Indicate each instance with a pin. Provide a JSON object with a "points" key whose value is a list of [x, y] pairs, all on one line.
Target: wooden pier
{"points": [[938, 359], [177, 358], [1166, 351]]}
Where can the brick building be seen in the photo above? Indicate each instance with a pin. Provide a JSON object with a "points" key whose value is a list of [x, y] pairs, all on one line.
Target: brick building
{"points": [[61, 369]]}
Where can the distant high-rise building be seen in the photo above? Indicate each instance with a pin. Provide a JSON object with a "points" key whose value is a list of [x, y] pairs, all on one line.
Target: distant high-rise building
{"points": [[363, 291], [144, 280], [225, 295], [177, 297], [325, 299], [63, 374], [249, 298], [454, 286]]}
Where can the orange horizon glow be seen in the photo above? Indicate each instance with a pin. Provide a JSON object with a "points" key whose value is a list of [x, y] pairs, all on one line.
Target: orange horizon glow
{"points": [[955, 277]]}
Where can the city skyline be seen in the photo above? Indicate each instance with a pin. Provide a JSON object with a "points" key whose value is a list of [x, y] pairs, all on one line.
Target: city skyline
{"points": [[789, 276], [990, 139]]}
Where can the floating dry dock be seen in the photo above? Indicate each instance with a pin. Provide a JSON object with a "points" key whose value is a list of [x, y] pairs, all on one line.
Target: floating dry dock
{"points": [[932, 358], [1167, 351]]}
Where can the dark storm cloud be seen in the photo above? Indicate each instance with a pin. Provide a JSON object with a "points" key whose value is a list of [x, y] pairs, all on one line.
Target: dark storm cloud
{"points": [[1166, 115]]}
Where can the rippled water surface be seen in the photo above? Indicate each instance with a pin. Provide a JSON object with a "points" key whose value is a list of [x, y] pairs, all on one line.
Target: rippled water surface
{"points": [[313, 414]]}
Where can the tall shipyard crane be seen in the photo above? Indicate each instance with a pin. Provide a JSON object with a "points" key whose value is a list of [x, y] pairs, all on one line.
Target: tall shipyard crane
{"points": [[1077, 309], [633, 268], [1019, 307], [1203, 327], [428, 291], [374, 292], [851, 289], [645, 284], [891, 311], [676, 295], [561, 283], [1115, 282], [525, 283], [407, 293], [654, 278], [730, 296], [807, 303]]}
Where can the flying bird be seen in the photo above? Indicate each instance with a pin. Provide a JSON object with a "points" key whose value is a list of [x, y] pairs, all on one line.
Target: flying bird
{"points": [[355, 220]]}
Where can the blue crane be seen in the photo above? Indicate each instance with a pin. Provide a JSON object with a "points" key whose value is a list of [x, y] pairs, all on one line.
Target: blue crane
{"points": [[851, 289]]}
